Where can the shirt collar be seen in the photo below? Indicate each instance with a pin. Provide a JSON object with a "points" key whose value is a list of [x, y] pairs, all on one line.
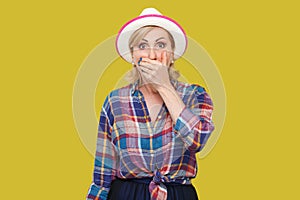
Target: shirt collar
{"points": [[134, 86]]}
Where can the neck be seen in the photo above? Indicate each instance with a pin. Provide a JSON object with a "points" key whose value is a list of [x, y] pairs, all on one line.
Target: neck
{"points": [[149, 88]]}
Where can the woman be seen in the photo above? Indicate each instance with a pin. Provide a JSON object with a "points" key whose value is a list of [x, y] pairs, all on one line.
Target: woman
{"points": [[150, 130]]}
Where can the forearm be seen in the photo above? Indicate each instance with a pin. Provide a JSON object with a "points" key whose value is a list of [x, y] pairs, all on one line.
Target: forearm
{"points": [[105, 157], [172, 100], [192, 120]]}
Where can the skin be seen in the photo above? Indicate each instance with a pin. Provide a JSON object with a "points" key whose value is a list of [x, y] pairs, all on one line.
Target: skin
{"points": [[157, 54]]}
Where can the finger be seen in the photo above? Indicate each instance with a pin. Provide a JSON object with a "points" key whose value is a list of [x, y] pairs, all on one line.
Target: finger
{"points": [[140, 60], [145, 69], [154, 62], [140, 73], [164, 58], [148, 74], [143, 76], [148, 65]]}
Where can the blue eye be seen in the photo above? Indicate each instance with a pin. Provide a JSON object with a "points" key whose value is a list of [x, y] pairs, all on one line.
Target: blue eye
{"points": [[142, 46], [161, 45]]}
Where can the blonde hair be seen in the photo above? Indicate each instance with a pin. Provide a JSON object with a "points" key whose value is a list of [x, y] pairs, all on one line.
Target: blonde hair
{"points": [[135, 38]]}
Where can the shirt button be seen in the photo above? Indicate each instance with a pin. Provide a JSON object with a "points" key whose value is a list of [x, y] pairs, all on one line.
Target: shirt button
{"points": [[159, 116]]}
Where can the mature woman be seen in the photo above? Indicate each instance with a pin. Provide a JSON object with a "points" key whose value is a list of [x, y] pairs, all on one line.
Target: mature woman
{"points": [[150, 130]]}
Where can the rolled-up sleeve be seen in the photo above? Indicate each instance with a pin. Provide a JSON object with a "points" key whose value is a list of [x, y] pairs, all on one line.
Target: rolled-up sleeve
{"points": [[194, 124], [105, 158]]}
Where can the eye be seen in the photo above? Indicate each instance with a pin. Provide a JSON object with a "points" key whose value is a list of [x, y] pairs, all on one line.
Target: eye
{"points": [[161, 45], [142, 46]]}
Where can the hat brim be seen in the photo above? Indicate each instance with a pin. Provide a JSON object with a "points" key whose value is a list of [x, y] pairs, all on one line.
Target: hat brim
{"points": [[179, 36]]}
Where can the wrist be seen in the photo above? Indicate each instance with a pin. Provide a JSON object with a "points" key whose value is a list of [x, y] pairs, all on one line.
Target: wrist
{"points": [[162, 89]]}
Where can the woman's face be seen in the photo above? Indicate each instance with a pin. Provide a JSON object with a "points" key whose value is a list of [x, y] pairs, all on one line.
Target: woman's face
{"points": [[153, 45]]}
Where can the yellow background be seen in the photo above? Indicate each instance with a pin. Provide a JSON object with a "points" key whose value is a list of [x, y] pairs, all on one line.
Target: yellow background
{"points": [[255, 45]]}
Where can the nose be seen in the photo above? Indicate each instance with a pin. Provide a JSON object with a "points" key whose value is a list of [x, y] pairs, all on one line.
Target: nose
{"points": [[152, 54]]}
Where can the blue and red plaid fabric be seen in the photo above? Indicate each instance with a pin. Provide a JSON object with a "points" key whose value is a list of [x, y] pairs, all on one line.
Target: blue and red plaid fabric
{"points": [[130, 145]]}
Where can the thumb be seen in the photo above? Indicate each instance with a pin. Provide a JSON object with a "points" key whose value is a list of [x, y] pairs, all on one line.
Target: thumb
{"points": [[164, 58]]}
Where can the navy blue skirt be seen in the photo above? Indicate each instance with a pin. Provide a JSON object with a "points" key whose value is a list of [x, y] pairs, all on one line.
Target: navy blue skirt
{"points": [[135, 189]]}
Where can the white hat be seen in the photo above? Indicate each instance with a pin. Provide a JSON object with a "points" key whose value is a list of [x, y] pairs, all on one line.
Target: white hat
{"points": [[150, 16]]}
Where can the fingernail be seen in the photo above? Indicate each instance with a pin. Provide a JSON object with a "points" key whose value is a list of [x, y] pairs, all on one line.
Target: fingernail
{"points": [[140, 60]]}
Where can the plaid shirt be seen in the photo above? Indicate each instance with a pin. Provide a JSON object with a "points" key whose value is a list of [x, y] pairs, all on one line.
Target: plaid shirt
{"points": [[129, 145]]}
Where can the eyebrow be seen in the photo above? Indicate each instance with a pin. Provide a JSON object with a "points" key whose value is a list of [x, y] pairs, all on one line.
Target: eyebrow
{"points": [[159, 39], [155, 40]]}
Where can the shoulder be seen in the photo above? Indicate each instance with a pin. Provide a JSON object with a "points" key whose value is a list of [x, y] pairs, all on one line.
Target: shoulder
{"points": [[118, 96], [115, 98], [120, 92]]}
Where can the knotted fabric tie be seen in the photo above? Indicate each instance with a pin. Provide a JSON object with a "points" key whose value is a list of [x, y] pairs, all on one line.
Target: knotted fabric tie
{"points": [[157, 189]]}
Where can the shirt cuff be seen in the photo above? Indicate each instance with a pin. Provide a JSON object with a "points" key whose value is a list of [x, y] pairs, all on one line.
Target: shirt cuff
{"points": [[97, 193]]}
